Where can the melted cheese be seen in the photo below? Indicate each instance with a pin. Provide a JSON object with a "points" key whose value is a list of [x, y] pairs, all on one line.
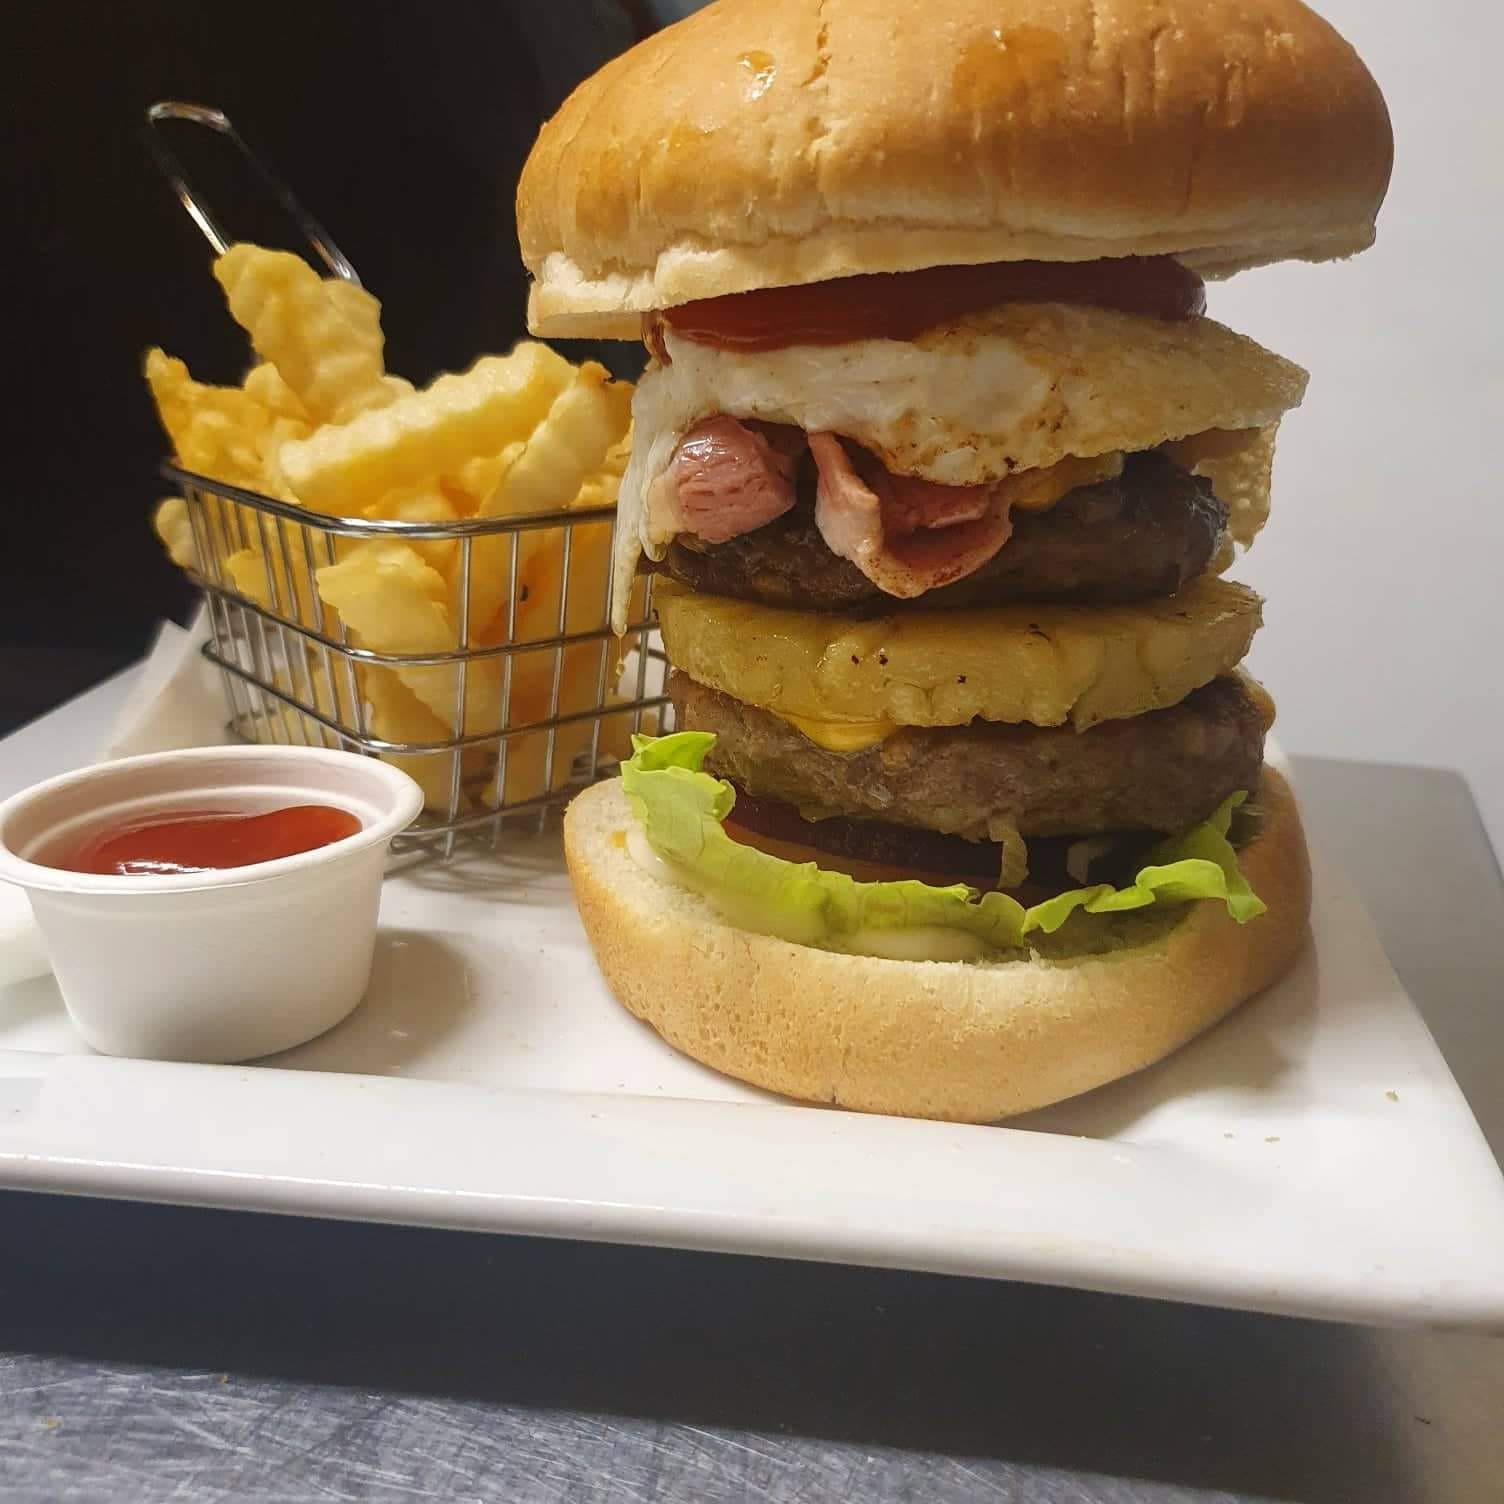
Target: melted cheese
{"points": [[842, 736], [1039, 490]]}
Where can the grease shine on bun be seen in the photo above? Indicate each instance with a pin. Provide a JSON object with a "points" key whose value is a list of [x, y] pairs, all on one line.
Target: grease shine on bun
{"points": [[961, 1040], [761, 143]]}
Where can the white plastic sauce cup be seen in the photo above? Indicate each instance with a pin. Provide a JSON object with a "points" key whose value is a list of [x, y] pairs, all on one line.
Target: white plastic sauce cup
{"points": [[209, 966]]}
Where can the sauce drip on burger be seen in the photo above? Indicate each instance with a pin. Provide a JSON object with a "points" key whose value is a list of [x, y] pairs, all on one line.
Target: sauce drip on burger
{"points": [[900, 305]]}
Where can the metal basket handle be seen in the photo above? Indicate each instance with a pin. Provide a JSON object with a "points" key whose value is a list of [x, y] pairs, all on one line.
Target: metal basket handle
{"points": [[172, 169]]}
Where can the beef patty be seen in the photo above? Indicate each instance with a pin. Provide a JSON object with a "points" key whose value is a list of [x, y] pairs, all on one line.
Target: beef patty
{"points": [[1162, 771], [1144, 534]]}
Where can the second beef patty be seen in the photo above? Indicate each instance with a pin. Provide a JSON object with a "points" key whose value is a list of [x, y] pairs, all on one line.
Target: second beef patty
{"points": [[1161, 772]]}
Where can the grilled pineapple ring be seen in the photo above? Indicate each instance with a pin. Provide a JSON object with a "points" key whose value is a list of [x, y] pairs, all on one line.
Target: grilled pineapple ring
{"points": [[1047, 665]]}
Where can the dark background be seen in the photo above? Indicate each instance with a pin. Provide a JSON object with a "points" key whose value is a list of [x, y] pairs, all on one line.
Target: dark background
{"points": [[401, 126]]}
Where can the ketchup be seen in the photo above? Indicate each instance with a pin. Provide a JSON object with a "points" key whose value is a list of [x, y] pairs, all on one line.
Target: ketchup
{"points": [[208, 841], [900, 305]]}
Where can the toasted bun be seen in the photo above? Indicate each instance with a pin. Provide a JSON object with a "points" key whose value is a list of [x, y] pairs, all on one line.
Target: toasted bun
{"points": [[766, 142], [966, 1041]]}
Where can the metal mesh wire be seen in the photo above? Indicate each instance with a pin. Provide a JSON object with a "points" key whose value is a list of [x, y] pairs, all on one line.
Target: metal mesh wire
{"points": [[499, 725]]}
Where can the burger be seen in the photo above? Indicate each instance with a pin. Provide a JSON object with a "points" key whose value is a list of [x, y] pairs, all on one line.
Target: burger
{"points": [[939, 467]]}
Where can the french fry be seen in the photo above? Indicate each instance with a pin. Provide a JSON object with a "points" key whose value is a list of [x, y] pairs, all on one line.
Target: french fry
{"points": [[584, 421], [286, 418], [322, 334], [279, 584], [527, 762], [264, 384], [619, 454], [527, 756], [385, 591], [398, 715], [347, 467], [478, 478], [247, 572], [602, 488], [540, 573], [214, 430], [580, 664], [337, 686], [427, 503], [599, 490], [278, 432], [174, 528], [397, 604], [308, 685]]}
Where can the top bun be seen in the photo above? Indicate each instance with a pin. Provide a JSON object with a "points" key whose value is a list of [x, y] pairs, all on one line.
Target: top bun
{"points": [[761, 143]]}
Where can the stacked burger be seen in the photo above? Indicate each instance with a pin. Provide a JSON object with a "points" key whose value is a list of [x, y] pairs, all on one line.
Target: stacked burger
{"points": [[940, 464]]}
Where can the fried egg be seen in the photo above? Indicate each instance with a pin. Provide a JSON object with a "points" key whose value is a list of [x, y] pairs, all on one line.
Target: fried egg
{"points": [[1013, 388]]}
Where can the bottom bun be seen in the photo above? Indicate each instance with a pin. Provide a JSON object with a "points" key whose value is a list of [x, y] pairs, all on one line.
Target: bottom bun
{"points": [[968, 1041]]}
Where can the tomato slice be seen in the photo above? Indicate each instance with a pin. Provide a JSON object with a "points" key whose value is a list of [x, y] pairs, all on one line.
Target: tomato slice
{"points": [[900, 305]]}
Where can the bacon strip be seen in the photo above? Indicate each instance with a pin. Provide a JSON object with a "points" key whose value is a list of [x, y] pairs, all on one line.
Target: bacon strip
{"points": [[906, 535], [727, 479]]}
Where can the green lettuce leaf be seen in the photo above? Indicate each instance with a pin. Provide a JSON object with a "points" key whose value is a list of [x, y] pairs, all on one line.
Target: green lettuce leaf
{"points": [[681, 809]]}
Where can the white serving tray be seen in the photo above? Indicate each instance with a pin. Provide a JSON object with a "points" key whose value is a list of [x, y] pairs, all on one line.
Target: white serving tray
{"points": [[1311, 1155]]}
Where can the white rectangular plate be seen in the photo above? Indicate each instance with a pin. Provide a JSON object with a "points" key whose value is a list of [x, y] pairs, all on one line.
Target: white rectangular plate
{"points": [[1311, 1155]]}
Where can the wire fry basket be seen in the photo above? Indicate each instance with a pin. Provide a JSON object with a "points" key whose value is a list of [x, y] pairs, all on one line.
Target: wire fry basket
{"points": [[512, 727], [530, 698]]}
